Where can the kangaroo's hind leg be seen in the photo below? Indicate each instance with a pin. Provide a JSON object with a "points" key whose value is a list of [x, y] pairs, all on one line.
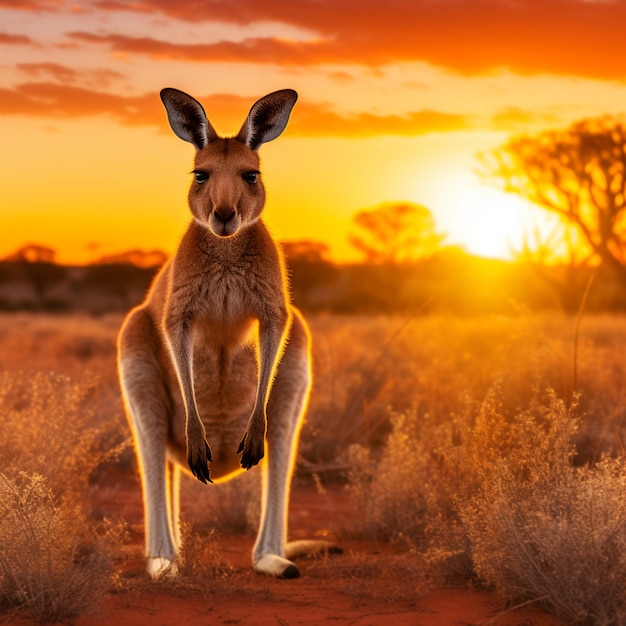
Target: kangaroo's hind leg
{"points": [[147, 406], [284, 416]]}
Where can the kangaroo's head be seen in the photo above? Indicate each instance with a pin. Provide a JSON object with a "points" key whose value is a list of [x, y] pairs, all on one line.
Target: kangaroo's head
{"points": [[227, 193]]}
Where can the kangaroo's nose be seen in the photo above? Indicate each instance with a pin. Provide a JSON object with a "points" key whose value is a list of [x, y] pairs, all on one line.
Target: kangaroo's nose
{"points": [[224, 215]]}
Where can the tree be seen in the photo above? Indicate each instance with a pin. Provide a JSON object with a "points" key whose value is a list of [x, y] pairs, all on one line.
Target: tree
{"points": [[393, 234], [306, 250], [32, 253], [36, 263], [579, 174], [139, 258]]}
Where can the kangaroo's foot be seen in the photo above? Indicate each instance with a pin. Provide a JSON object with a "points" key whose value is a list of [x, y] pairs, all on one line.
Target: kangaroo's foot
{"points": [[274, 565], [160, 568], [279, 567]]}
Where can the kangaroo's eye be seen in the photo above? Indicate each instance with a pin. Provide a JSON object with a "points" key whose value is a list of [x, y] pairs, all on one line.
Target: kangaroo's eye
{"points": [[201, 177], [251, 177]]}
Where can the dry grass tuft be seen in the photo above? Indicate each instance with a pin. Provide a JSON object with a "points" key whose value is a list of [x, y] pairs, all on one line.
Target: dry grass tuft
{"points": [[52, 564], [199, 569], [396, 493], [50, 428], [542, 530], [200, 560], [55, 563], [495, 497]]}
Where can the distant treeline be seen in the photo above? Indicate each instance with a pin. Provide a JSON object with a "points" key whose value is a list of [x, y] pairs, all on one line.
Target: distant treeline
{"points": [[44, 286], [451, 282]]}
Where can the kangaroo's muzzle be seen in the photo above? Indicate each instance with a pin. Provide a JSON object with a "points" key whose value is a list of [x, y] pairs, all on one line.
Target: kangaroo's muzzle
{"points": [[224, 222]]}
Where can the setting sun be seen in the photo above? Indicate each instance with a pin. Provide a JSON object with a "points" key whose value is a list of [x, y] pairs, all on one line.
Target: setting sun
{"points": [[489, 222]]}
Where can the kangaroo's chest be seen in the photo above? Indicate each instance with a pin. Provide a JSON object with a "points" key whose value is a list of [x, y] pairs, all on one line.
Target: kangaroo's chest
{"points": [[226, 309]]}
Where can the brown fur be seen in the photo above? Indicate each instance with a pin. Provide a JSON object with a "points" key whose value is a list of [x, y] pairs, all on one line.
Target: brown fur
{"points": [[201, 357]]}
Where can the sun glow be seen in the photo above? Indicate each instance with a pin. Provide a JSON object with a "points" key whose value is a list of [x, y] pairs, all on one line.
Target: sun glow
{"points": [[483, 220], [491, 223]]}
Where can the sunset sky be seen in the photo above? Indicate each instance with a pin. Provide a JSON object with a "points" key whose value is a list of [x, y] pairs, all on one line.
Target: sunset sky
{"points": [[395, 100]]}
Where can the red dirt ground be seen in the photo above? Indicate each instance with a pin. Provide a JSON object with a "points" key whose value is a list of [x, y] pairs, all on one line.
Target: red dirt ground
{"points": [[368, 585]]}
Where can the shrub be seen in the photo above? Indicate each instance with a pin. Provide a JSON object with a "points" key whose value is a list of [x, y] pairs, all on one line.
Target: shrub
{"points": [[397, 494], [493, 495], [200, 561], [542, 530], [55, 563], [52, 565], [49, 428]]}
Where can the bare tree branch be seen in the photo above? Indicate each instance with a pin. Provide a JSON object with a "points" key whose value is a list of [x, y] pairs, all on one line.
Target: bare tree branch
{"points": [[579, 174]]}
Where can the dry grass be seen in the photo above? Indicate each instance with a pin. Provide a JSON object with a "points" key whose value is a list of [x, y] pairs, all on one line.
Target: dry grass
{"points": [[53, 565], [541, 529], [50, 427], [496, 499], [66, 344], [460, 439], [57, 431], [200, 561], [499, 479], [444, 368]]}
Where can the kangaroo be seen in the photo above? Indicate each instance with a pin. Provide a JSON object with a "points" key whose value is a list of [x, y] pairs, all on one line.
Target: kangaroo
{"points": [[216, 347]]}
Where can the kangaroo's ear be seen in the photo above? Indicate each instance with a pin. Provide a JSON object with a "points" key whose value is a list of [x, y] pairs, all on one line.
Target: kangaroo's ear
{"points": [[267, 118], [187, 118]]}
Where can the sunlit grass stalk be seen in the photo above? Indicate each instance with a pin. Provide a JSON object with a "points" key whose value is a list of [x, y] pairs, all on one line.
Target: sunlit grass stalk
{"points": [[579, 316]]}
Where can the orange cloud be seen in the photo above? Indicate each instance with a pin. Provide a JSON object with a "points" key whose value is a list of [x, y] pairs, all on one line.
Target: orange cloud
{"points": [[52, 100], [47, 99], [263, 50], [15, 40], [33, 5], [97, 77], [320, 120], [514, 118], [577, 37]]}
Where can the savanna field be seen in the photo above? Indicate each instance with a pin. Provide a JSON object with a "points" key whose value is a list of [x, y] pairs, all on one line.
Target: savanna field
{"points": [[482, 455]]}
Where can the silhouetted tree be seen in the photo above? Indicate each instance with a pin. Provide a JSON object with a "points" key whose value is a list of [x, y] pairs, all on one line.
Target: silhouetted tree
{"points": [[306, 250], [32, 253], [395, 233], [579, 174], [139, 258], [36, 263]]}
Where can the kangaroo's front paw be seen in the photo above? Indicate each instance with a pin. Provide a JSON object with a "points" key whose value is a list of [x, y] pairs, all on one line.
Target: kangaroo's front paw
{"points": [[253, 449], [199, 457]]}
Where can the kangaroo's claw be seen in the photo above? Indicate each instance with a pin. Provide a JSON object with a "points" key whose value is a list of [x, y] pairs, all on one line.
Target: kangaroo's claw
{"points": [[199, 463], [253, 451]]}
